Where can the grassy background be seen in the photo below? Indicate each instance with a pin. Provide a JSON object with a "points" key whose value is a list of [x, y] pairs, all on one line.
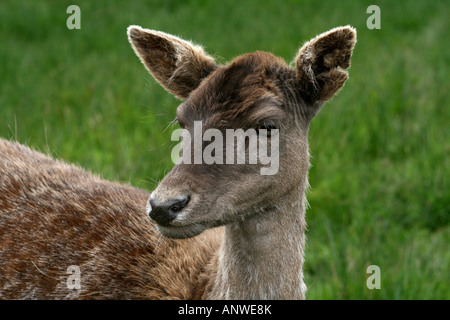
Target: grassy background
{"points": [[381, 171]]}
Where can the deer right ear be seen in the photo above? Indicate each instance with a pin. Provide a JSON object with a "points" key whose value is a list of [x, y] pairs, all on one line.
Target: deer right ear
{"points": [[178, 65], [320, 63]]}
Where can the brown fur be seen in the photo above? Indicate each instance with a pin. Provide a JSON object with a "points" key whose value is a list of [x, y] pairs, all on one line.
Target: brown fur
{"points": [[55, 215], [243, 232]]}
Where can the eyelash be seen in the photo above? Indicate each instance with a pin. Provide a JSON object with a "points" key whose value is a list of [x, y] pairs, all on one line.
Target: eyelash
{"points": [[264, 125], [267, 125]]}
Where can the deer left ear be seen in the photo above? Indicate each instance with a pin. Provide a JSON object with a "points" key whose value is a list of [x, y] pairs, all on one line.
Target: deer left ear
{"points": [[178, 65], [320, 63]]}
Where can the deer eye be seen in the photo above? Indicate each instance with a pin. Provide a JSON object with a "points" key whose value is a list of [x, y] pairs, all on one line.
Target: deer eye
{"points": [[267, 125]]}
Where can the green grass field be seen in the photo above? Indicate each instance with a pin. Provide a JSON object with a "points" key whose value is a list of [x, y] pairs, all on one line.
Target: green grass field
{"points": [[380, 149]]}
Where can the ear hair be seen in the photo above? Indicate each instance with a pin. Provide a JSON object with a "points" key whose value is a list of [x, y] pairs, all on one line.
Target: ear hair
{"points": [[178, 65], [320, 63]]}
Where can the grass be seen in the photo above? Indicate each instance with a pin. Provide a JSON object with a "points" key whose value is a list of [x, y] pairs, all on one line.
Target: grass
{"points": [[380, 149]]}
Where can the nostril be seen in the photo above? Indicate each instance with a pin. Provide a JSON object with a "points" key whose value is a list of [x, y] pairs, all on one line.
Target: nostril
{"points": [[179, 205], [165, 213]]}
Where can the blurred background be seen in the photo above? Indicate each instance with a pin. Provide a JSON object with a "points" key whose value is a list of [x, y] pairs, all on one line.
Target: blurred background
{"points": [[380, 177]]}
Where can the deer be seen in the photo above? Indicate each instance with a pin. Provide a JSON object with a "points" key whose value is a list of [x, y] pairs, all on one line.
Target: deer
{"points": [[208, 231]]}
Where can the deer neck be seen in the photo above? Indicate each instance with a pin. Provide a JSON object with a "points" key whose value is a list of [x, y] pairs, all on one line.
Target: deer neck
{"points": [[262, 257]]}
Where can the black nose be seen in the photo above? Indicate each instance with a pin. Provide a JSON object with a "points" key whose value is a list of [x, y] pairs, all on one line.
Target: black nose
{"points": [[165, 213]]}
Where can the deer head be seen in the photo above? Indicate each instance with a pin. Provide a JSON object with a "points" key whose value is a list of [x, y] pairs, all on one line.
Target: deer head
{"points": [[255, 91]]}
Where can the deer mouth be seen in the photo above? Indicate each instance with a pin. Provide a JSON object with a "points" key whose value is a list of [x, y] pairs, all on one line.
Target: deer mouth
{"points": [[182, 232], [185, 216], [184, 227]]}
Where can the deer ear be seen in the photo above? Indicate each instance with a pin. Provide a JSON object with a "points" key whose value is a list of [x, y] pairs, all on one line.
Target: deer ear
{"points": [[320, 63], [178, 65]]}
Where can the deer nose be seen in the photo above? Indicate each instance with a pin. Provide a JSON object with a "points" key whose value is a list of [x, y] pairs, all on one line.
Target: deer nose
{"points": [[165, 213]]}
